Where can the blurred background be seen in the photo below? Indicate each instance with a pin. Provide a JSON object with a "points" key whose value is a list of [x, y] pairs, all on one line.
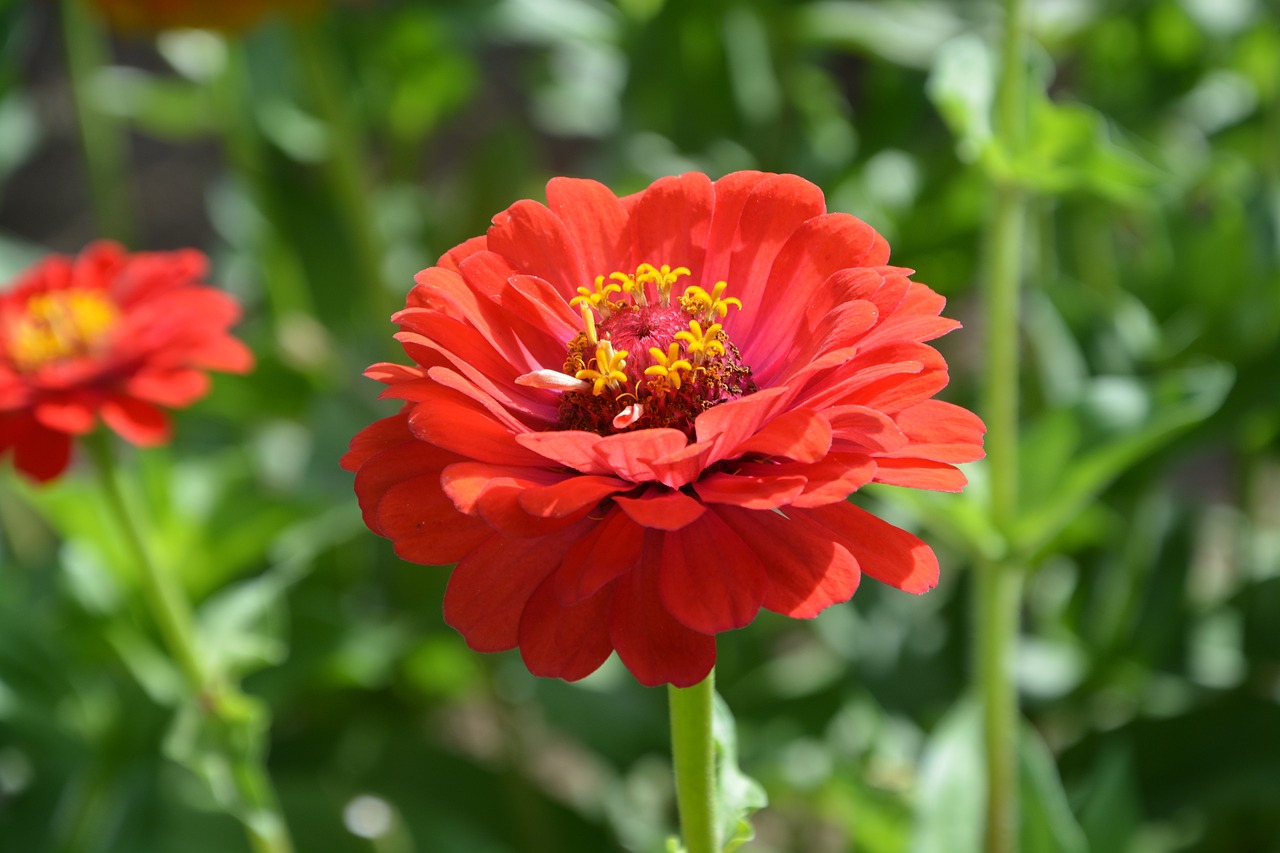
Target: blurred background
{"points": [[324, 153]]}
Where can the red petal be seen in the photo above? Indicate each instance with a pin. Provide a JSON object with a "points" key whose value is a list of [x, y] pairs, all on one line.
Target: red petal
{"points": [[670, 222], [564, 641], [610, 550], [731, 194], [391, 456], [568, 496], [919, 474], [627, 454], [536, 242], [571, 447], [74, 415], [449, 420], [596, 220], [490, 587], [375, 438], [772, 213], [818, 248], [808, 571], [451, 259], [423, 524], [942, 432], [749, 492], [39, 453], [173, 388], [655, 646], [135, 421], [887, 553], [802, 435], [729, 424], [661, 509], [709, 579], [865, 428]]}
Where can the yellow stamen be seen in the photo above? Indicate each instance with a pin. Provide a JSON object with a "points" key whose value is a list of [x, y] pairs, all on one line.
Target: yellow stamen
{"points": [[610, 368], [699, 344], [669, 365], [59, 325], [589, 323], [705, 305], [597, 299], [663, 278], [633, 287]]}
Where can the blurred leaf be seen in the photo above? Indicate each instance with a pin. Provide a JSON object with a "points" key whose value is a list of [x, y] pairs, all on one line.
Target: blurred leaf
{"points": [[907, 33], [1048, 826], [165, 107], [950, 804], [950, 801], [962, 85], [1070, 149], [738, 794], [1151, 416]]}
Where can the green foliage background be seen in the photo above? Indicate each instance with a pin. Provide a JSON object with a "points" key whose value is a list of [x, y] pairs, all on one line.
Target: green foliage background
{"points": [[322, 164]]}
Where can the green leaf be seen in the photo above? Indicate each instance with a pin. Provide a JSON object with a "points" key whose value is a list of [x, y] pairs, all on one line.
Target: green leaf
{"points": [[951, 803], [166, 107], [738, 794], [951, 799], [1146, 418], [1048, 826]]}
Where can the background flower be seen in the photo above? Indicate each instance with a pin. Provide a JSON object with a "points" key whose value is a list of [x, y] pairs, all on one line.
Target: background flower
{"points": [[107, 335], [618, 467]]}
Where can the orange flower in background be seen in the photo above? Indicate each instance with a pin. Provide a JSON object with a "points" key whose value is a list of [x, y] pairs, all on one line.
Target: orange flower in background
{"points": [[224, 15], [107, 335], [634, 422]]}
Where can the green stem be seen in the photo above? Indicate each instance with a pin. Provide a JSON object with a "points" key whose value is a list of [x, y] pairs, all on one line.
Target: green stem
{"points": [[104, 143], [259, 810], [166, 599], [999, 582], [345, 168], [694, 754]]}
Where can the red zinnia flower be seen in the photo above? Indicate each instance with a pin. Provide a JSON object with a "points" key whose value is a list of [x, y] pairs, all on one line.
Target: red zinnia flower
{"points": [[624, 453], [107, 334]]}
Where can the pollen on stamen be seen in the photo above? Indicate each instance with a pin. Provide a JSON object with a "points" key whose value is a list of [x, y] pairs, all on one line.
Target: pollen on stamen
{"points": [[646, 360]]}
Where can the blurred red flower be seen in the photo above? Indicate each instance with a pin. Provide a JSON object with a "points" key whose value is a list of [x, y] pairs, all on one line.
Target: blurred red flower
{"points": [[107, 334], [223, 15], [622, 452]]}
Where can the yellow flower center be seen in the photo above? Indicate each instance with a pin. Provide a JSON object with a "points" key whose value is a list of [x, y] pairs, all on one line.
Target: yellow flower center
{"points": [[60, 325], [647, 358]]}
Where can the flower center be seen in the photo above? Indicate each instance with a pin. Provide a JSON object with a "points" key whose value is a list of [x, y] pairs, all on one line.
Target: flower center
{"points": [[647, 360], [60, 325]]}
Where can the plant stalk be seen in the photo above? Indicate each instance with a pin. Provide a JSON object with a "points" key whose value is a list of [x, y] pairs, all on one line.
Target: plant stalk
{"points": [[999, 582], [102, 140], [693, 751], [167, 600]]}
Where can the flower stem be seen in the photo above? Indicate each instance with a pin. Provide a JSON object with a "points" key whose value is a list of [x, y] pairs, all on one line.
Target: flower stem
{"points": [[257, 807], [105, 145], [999, 582], [694, 754]]}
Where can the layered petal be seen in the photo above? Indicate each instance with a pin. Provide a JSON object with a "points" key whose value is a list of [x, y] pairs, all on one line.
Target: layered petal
{"points": [[634, 422]]}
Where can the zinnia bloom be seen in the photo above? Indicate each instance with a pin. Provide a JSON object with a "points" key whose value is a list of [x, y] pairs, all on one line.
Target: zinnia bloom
{"points": [[633, 422], [224, 15], [111, 335]]}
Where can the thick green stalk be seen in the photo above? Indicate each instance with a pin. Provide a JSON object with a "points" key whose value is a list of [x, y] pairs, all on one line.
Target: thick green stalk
{"points": [[101, 137], [999, 582], [693, 751], [169, 606]]}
